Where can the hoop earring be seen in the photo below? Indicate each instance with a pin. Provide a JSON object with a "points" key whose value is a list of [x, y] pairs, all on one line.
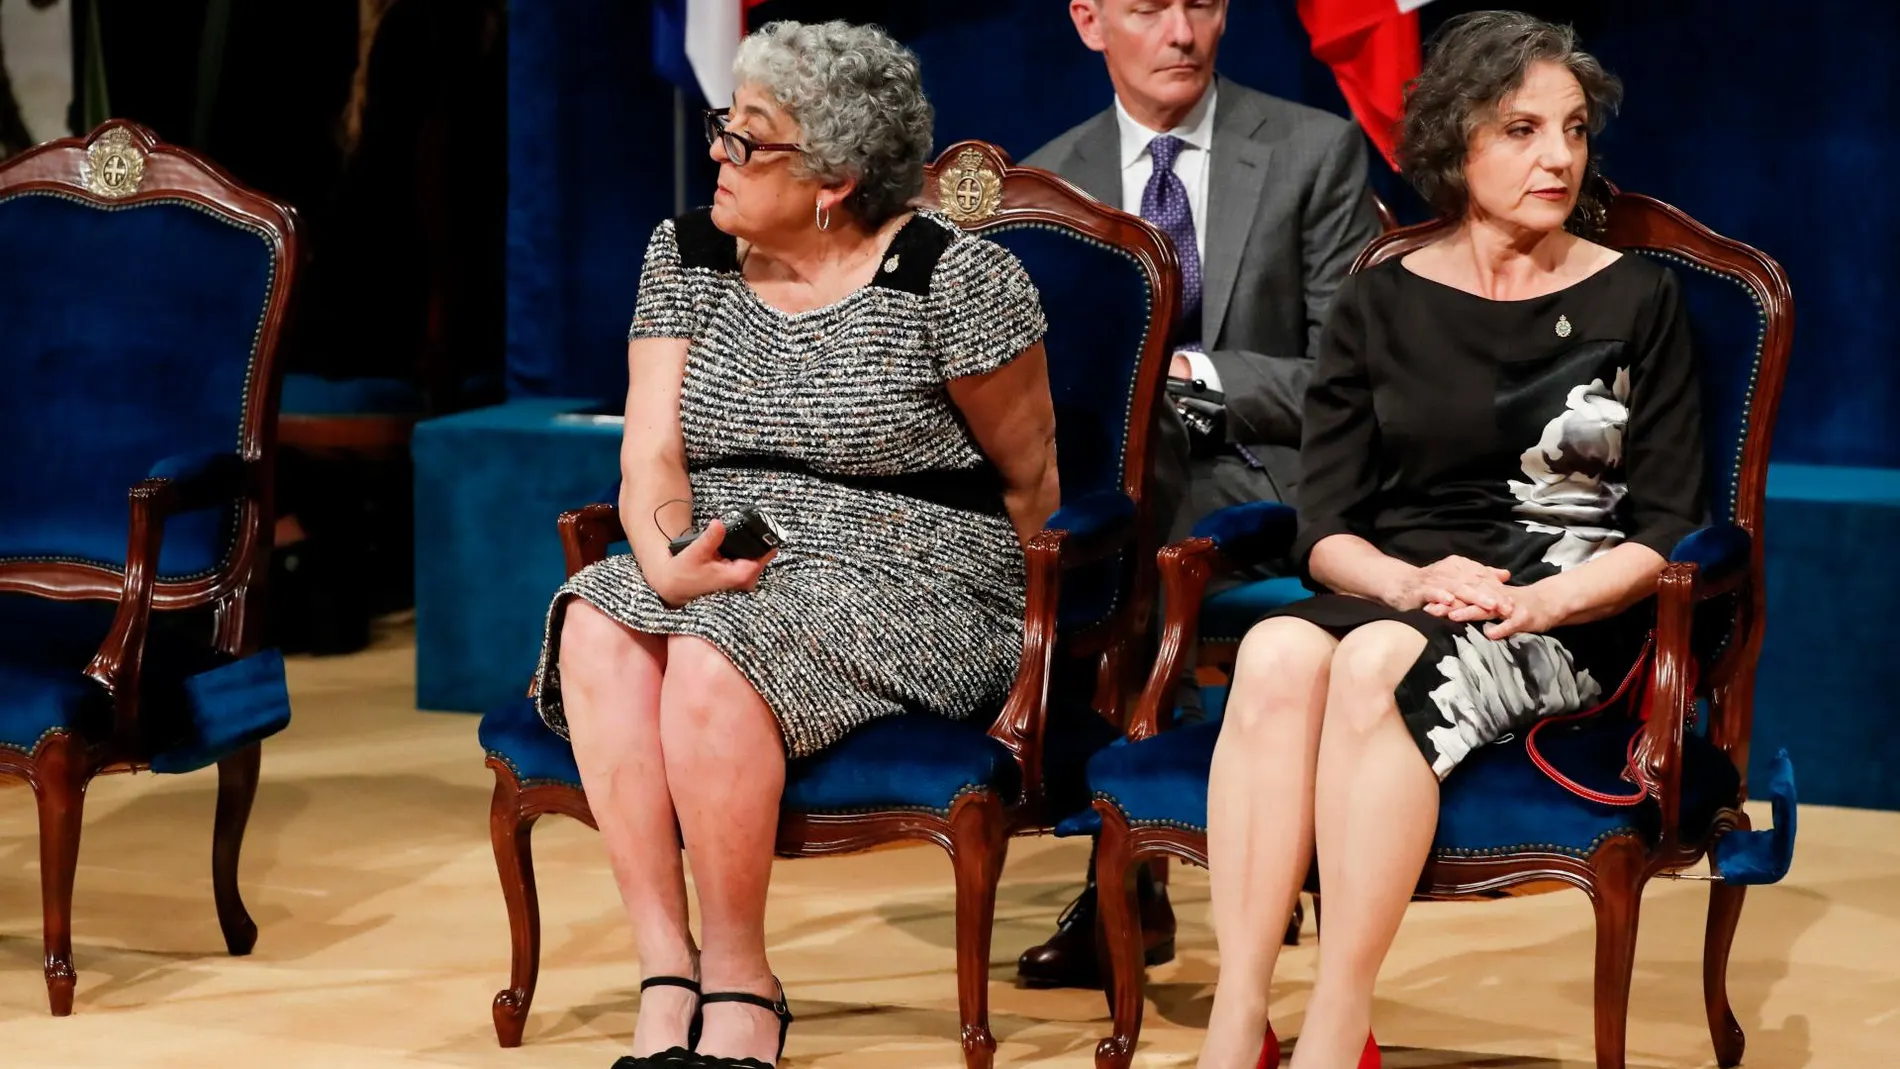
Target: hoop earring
{"points": [[822, 214]]}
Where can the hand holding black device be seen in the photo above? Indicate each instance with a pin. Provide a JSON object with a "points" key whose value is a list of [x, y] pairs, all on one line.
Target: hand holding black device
{"points": [[751, 533]]}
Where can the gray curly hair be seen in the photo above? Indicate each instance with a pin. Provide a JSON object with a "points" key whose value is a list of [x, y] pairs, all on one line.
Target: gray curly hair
{"points": [[1472, 63], [858, 99]]}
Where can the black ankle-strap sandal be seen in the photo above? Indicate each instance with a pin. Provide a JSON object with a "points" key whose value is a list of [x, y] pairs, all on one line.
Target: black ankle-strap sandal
{"points": [[671, 1055], [778, 1009]]}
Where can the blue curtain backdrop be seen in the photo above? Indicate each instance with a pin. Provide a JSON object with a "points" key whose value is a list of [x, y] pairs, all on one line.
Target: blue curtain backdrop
{"points": [[1774, 123]]}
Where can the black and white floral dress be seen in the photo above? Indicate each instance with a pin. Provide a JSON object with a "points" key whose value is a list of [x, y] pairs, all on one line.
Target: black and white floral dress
{"points": [[900, 584], [1531, 435]]}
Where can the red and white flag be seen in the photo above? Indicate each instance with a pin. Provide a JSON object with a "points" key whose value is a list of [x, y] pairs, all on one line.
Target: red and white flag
{"points": [[1372, 47], [694, 42]]}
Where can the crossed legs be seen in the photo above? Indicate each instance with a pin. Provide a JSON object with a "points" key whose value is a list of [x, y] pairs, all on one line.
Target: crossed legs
{"points": [[674, 746], [1312, 752]]}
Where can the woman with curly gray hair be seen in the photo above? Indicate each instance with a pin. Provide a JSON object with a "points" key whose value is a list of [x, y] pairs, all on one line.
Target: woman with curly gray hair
{"points": [[870, 380], [1501, 449]]}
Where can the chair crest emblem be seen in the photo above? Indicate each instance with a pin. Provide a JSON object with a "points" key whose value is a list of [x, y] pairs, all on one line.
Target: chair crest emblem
{"points": [[969, 191], [114, 165]]}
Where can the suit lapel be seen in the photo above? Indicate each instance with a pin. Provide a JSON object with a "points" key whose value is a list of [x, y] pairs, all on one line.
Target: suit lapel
{"points": [[1098, 167], [1237, 173]]}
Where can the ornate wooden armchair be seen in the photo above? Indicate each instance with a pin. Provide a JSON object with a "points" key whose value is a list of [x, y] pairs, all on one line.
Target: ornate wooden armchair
{"points": [[141, 291], [1504, 827], [1109, 285]]}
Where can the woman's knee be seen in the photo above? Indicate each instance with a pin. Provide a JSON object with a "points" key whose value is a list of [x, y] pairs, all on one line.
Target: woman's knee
{"points": [[1280, 665], [702, 683], [1367, 669], [591, 641]]}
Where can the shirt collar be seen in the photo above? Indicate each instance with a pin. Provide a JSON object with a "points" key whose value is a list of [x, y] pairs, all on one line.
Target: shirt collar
{"points": [[1197, 129]]}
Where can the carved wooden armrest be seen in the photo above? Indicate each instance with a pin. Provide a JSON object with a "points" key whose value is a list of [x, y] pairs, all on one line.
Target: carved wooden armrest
{"points": [[1222, 541], [1186, 568], [1094, 527], [177, 485], [586, 533], [1684, 585], [1019, 727]]}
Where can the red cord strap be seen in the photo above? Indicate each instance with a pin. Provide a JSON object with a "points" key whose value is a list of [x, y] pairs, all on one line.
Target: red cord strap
{"points": [[1637, 678]]}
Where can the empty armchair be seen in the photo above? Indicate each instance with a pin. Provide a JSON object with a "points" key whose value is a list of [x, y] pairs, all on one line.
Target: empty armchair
{"points": [[142, 292]]}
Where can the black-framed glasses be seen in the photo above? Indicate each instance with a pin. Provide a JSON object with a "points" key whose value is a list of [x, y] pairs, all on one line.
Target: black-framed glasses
{"points": [[739, 147]]}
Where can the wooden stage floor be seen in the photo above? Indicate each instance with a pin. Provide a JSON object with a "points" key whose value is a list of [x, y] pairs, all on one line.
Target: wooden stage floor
{"points": [[383, 936]]}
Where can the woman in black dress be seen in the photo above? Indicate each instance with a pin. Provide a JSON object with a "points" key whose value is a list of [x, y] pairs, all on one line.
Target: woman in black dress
{"points": [[1501, 448]]}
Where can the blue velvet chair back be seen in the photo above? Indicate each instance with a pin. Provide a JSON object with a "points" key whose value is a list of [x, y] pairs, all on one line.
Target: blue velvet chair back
{"points": [[1729, 326], [1110, 285], [1099, 303], [136, 320]]}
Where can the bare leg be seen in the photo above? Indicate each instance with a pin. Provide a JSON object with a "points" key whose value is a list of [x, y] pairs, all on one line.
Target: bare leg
{"points": [[610, 688], [1260, 823], [725, 762], [1378, 808]]}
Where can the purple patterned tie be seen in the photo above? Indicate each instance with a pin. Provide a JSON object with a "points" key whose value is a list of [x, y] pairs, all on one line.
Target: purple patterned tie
{"points": [[1165, 204]]}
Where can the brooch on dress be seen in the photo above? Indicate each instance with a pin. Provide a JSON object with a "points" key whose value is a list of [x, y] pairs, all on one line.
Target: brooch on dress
{"points": [[890, 265], [1563, 327]]}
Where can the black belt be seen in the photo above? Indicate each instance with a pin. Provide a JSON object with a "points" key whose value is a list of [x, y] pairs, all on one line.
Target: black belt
{"points": [[968, 489]]}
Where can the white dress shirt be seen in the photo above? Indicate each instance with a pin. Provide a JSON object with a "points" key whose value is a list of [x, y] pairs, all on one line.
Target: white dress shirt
{"points": [[1191, 167]]}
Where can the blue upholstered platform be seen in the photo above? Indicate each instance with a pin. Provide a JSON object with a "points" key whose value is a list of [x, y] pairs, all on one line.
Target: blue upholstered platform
{"points": [[489, 485], [314, 395], [1833, 584]]}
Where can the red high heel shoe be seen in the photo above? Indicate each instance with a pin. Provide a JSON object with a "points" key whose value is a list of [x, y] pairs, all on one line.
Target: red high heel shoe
{"points": [[1270, 1053]]}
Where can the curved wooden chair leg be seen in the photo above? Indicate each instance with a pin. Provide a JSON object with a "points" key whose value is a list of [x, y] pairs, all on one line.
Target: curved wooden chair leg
{"points": [[511, 833], [237, 789], [979, 841], [1618, 898], [1119, 917], [61, 797], [1725, 912], [1293, 924]]}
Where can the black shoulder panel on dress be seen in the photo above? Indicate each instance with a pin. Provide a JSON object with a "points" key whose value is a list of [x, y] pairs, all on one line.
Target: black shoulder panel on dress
{"points": [[704, 245], [913, 255]]}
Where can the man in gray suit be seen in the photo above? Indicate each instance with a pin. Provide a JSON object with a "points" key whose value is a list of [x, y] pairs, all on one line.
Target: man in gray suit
{"points": [[1267, 204]]}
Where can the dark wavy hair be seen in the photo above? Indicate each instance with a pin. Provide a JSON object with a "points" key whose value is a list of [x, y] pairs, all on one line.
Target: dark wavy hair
{"points": [[1471, 64]]}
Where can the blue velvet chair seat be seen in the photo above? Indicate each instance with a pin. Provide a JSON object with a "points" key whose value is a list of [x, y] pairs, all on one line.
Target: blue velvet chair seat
{"points": [[1226, 616], [1496, 802], [514, 734], [911, 761], [203, 705], [42, 701]]}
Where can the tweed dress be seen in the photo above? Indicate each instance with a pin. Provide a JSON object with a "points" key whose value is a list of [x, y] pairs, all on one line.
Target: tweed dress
{"points": [[900, 583]]}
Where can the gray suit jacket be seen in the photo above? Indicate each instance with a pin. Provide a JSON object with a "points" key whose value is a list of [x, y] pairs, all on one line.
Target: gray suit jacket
{"points": [[1288, 210]]}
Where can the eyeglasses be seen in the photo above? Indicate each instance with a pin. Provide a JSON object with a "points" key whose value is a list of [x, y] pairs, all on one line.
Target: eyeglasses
{"points": [[739, 147]]}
